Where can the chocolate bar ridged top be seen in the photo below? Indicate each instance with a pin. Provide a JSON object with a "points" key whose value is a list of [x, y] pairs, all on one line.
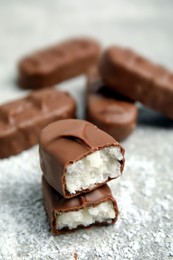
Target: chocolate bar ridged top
{"points": [[22, 120], [109, 110], [58, 63], [75, 138], [137, 78]]}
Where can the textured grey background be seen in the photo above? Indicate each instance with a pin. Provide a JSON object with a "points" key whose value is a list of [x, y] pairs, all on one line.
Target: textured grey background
{"points": [[145, 191]]}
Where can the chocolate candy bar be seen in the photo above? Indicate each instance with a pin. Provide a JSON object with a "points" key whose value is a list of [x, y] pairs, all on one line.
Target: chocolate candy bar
{"points": [[22, 120], [97, 207], [109, 110], [58, 63], [77, 157], [137, 78]]}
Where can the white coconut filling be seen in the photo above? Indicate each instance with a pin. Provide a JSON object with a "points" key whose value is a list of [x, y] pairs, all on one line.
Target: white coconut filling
{"points": [[104, 212], [93, 169]]}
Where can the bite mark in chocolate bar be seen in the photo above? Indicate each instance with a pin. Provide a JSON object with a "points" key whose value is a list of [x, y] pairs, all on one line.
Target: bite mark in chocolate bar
{"points": [[22, 120], [77, 157], [58, 63], [95, 208], [107, 109], [137, 78]]}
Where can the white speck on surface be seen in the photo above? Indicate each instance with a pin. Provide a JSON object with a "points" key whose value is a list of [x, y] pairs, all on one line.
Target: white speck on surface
{"points": [[85, 237]]}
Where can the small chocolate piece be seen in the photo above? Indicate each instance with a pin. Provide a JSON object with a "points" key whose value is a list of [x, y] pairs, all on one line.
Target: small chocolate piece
{"points": [[108, 110], [58, 63], [22, 120], [97, 207], [77, 157], [137, 78]]}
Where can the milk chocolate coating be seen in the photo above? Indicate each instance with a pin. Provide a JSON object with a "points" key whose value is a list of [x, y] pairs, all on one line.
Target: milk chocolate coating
{"points": [[58, 63], [65, 142], [108, 110], [137, 78], [22, 120], [54, 202]]}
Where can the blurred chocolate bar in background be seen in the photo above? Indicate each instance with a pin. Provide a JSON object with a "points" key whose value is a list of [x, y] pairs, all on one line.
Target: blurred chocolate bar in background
{"points": [[107, 109], [58, 63], [137, 78], [22, 120]]}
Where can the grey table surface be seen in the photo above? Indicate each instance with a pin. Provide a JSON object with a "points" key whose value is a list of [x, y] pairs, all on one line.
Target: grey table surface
{"points": [[145, 191]]}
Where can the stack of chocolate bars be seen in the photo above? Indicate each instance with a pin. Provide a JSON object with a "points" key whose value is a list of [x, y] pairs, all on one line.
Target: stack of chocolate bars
{"points": [[77, 160]]}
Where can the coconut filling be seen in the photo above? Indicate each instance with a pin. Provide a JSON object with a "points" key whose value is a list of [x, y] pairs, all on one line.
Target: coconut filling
{"points": [[104, 212], [93, 169]]}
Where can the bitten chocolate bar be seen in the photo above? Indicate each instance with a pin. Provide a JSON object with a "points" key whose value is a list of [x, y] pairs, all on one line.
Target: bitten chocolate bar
{"points": [[107, 109], [58, 63], [137, 78], [22, 120], [77, 157], [97, 207]]}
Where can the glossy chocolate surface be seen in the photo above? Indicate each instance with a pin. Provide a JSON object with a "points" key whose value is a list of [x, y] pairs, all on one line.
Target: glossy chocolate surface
{"points": [[139, 79], [110, 111], [66, 141], [54, 202], [58, 63], [22, 120]]}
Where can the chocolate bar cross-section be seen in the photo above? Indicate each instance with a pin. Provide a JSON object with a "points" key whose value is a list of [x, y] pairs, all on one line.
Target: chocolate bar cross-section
{"points": [[97, 207], [77, 157]]}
